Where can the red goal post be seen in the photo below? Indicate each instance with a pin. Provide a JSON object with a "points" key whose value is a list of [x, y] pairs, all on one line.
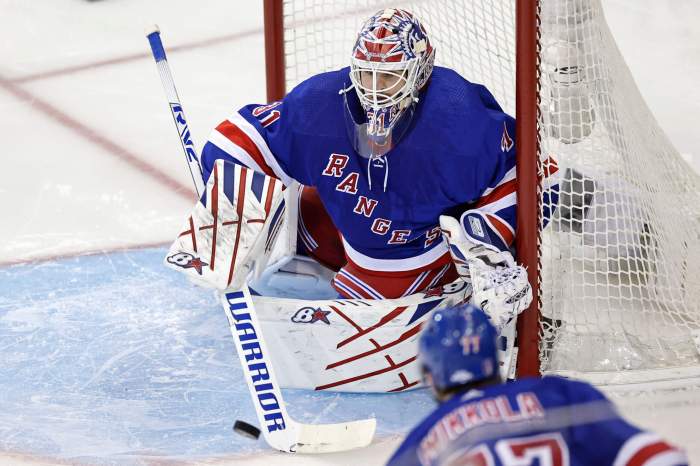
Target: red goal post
{"points": [[274, 49], [527, 156]]}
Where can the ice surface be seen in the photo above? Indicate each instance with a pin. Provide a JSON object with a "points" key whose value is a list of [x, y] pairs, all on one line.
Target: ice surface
{"points": [[112, 359], [114, 349]]}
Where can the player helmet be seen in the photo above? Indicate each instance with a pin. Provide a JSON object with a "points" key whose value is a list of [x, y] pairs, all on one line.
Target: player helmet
{"points": [[391, 62], [457, 347]]}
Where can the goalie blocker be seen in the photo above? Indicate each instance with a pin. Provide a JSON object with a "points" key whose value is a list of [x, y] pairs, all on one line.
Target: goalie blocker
{"points": [[231, 228]]}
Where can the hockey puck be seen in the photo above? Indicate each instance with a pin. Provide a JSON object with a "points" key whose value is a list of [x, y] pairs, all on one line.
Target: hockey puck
{"points": [[246, 430]]}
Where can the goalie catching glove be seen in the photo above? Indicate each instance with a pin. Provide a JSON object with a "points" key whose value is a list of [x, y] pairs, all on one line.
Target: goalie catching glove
{"points": [[499, 285], [234, 224]]}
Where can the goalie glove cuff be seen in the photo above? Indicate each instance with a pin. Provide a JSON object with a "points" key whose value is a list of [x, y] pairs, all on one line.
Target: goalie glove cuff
{"points": [[477, 229], [469, 245]]}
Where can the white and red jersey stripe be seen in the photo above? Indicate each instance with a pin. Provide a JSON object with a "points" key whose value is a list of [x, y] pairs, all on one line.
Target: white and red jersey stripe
{"points": [[239, 139], [500, 196], [427, 259], [354, 282], [649, 449], [498, 203]]}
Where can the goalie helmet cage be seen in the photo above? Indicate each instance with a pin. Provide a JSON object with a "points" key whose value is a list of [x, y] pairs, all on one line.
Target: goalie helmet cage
{"points": [[617, 267]]}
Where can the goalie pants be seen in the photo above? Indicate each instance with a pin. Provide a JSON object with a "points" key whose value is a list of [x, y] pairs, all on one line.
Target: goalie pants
{"points": [[318, 238]]}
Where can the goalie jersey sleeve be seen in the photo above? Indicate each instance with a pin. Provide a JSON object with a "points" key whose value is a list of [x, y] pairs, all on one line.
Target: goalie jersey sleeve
{"points": [[248, 137], [282, 139], [533, 421], [491, 218]]}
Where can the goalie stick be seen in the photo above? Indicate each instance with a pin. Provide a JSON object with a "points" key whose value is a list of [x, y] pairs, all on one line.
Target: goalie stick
{"points": [[279, 429]]}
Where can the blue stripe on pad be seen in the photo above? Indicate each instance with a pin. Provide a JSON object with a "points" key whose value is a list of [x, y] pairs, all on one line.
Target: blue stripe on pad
{"points": [[257, 185], [229, 180]]}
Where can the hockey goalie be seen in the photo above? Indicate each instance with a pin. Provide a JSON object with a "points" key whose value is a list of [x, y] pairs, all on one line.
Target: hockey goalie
{"points": [[407, 202]]}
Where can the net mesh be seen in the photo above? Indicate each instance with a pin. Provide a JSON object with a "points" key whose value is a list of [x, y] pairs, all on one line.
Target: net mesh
{"points": [[620, 257]]}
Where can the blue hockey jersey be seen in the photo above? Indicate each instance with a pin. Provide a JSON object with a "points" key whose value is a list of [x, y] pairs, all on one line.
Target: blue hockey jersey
{"points": [[547, 421], [459, 154]]}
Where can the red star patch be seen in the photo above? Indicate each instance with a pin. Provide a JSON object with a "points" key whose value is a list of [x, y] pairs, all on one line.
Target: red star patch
{"points": [[197, 264], [320, 315]]}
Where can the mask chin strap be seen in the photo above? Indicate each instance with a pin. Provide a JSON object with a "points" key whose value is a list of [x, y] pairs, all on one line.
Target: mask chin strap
{"points": [[386, 171], [369, 172]]}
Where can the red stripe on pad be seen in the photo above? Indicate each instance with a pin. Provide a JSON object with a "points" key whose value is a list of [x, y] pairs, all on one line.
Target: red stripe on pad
{"points": [[404, 336], [268, 199], [406, 385], [214, 212], [346, 318], [391, 367], [387, 318], [194, 236]]}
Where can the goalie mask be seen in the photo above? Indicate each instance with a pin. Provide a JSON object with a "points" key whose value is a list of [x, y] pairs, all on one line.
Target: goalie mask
{"points": [[391, 61]]}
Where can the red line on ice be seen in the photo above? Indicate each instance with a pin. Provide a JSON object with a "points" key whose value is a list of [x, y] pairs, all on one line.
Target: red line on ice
{"points": [[135, 56], [171, 49], [96, 138]]}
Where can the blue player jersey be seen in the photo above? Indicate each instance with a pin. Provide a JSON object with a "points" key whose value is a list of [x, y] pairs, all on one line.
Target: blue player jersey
{"points": [[459, 154], [547, 421]]}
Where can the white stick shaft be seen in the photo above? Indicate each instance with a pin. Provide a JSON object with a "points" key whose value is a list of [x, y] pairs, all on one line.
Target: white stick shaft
{"points": [[183, 130]]}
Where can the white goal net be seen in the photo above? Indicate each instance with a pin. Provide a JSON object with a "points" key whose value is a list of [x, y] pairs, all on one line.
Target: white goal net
{"points": [[620, 258]]}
